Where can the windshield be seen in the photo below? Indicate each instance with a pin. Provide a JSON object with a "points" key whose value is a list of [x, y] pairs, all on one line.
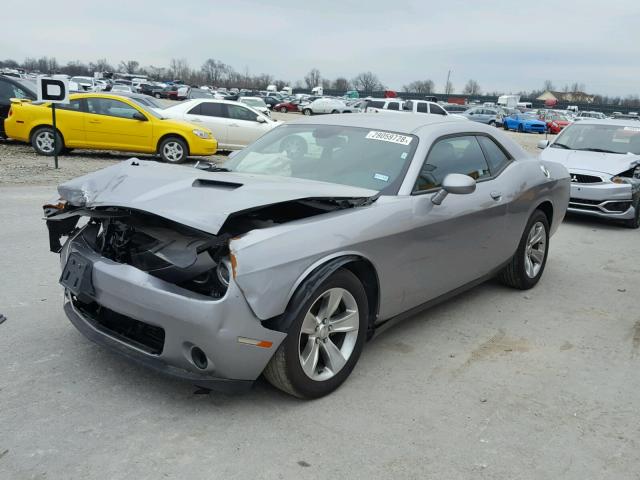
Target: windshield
{"points": [[602, 138], [353, 156]]}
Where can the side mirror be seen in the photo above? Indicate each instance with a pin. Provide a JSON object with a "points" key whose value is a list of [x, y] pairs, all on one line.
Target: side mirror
{"points": [[470, 113], [139, 116], [542, 144], [456, 184], [261, 119]]}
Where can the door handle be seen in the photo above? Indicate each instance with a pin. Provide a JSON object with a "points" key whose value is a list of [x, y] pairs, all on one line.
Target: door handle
{"points": [[95, 121], [234, 125], [195, 120], [496, 195]]}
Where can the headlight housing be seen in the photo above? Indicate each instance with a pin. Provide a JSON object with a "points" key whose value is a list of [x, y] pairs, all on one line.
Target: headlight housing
{"points": [[201, 133]]}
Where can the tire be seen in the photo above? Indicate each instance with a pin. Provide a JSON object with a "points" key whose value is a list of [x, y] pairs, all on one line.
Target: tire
{"points": [[492, 123], [520, 129], [285, 370], [634, 222], [334, 111], [505, 126], [517, 273], [307, 112], [42, 141], [173, 150], [157, 95], [283, 110]]}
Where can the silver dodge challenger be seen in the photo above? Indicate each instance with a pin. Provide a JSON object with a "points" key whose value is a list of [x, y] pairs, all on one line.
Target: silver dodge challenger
{"points": [[285, 259], [603, 158]]}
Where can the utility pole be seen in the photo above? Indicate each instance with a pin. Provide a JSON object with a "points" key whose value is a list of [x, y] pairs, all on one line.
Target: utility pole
{"points": [[447, 86]]}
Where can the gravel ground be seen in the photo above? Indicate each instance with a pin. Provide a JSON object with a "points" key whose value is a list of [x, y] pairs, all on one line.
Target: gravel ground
{"points": [[19, 165]]}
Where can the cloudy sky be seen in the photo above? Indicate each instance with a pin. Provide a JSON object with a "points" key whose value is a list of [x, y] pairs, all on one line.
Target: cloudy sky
{"points": [[504, 45]]}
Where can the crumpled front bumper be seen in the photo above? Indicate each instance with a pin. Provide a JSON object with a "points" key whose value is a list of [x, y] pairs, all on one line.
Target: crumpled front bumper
{"points": [[218, 327], [606, 200]]}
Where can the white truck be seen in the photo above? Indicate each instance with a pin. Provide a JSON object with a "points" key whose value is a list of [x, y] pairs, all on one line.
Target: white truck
{"points": [[509, 101]]}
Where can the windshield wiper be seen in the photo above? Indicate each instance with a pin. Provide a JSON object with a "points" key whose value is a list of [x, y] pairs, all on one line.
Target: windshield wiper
{"points": [[560, 145], [601, 150], [210, 167]]}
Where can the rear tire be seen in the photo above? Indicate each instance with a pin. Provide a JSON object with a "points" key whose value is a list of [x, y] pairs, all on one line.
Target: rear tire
{"points": [[173, 150], [315, 358], [283, 110], [334, 111], [527, 265], [307, 112], [634, 222], [157, 95], [42, 141]]}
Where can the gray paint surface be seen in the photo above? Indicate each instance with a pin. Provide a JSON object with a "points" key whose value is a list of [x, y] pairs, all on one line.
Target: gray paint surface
{"points": [[494, 384]]}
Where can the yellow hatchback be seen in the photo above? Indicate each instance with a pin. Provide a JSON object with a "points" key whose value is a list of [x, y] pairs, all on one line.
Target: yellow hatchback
{"points": [[98, 121]]}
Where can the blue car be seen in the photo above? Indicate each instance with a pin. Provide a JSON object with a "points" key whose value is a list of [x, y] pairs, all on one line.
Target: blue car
{"points": [[524, 123]]}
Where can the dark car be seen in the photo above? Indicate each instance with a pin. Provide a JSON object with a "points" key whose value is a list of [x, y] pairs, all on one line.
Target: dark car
{"points": [[148, 89], [11, 87], [271, 101], [170, 91]]}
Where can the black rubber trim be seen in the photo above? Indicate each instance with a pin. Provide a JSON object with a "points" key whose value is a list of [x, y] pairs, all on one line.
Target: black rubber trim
{"points": [[223, 385]]}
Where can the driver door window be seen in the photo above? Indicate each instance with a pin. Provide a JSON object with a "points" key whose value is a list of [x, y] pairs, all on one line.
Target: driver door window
{"points": [[452, 155], [236, 112]]}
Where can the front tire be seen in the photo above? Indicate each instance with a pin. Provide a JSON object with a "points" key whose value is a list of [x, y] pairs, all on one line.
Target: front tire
{"points": [[634, 222], [527, 265], [173, 150], [325, 339], [42, 141], [307, 112]]}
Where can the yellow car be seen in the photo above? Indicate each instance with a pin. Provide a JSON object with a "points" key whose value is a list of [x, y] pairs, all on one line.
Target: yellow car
{"points": [[99, 121]]}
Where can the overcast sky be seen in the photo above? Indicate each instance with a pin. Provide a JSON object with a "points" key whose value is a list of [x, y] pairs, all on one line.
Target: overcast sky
{"points": [[504, 45]]}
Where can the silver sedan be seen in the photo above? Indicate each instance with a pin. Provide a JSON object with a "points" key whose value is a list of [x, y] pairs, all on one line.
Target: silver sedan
{"points": [[287, 258], [603, 158]]}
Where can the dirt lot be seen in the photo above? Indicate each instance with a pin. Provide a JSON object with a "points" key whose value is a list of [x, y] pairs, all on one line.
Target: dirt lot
{"points": [[19, 165]]}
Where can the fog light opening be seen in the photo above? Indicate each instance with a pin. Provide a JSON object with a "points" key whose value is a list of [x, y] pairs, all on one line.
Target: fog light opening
{"points": [[198, 358]]}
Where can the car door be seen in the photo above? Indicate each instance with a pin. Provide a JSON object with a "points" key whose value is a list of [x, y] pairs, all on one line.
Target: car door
{"points": [[110, 124], [243, 127], [458, 241], [212, 115], [9, 90], [70, 120]]}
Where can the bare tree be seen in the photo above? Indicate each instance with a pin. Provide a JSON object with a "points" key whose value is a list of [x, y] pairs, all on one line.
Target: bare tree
{"points": [[577, 87], [213, 71], [472, 88], [341, 84], [313, 78], [367, 81], [448, 88], [548, 86], [280, 84], [129, 66], [326, 83], [179, 68], [419, 86], [9, 63]]}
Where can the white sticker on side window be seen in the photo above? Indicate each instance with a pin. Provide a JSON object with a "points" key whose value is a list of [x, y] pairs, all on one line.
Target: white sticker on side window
{"points": [[389, 137], [632, 129]]}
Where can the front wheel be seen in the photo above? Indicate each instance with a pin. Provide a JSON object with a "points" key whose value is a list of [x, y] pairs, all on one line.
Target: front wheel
{"points": [[43, 142], [173, 150], [157, 95], [325, 339], [307, 112], [492, 123], [505, 126], [526, 266], [635, 221], [283, 110]]}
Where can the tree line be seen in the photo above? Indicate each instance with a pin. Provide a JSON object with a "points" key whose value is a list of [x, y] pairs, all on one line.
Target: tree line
{"points": [[219, 74]]}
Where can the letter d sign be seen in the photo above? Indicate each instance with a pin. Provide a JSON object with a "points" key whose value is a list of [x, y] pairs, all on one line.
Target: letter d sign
{"points": [[53, 90]]}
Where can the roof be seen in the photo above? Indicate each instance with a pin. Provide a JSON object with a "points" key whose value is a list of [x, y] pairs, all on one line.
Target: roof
{"points": [[621, 122], [401, 122]]}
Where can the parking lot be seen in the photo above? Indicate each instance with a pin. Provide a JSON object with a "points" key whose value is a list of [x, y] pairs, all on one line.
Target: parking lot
{"points": [[494, 384]]}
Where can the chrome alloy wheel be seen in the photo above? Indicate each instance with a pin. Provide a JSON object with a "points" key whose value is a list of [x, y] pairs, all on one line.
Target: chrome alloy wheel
{"points": [[329, 333], [173, 151], [44, 140], [535, 250]]}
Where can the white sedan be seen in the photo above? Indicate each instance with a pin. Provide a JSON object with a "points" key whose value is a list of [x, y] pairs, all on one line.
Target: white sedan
{"points": [[326, 105], [234, 125]]}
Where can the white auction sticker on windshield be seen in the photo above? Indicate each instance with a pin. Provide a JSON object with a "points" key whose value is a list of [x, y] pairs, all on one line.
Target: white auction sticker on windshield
{"points": [[389, 137]]}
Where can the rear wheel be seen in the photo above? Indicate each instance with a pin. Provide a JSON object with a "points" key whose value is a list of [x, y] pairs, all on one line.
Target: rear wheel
{"points": [[492, 123], [157, 95], [173, 150], [526, 267], [334, 111], [324, 341], [307, 112], [283, 110], [634, 222], [43, 143]]}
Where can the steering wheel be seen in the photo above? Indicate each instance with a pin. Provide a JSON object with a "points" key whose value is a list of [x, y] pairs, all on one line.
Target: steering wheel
{"points": [[294, 146]]}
